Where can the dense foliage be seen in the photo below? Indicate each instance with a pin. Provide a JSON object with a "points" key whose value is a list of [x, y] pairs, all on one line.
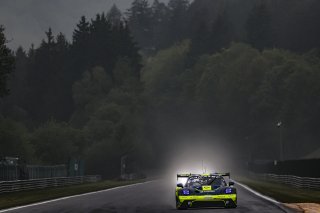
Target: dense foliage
{"points": [[244, 92], [126, 83]]}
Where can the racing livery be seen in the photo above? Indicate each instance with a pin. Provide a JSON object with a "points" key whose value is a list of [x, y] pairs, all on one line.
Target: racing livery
{"points": [[205, 190]]}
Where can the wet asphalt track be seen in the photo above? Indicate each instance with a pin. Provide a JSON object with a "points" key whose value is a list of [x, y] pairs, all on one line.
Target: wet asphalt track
{"points": [[153, 197]]}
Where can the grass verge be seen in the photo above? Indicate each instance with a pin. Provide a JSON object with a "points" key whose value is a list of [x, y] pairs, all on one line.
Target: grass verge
{"points": [[13, 199], [280, 192]]}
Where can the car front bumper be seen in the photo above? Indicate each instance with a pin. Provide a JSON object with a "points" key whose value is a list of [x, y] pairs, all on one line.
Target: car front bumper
{"points": [[199, 201]]}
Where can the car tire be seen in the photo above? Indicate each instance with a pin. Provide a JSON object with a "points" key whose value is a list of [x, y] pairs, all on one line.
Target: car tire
{"points": [[179, 206], [231, 206]]}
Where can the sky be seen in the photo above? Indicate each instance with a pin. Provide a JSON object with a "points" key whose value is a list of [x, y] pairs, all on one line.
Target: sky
{"points": [[26, 21]]}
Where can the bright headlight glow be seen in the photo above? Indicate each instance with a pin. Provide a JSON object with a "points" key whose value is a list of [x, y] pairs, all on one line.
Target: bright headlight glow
{"points": [[228, 190], [186, 192]]}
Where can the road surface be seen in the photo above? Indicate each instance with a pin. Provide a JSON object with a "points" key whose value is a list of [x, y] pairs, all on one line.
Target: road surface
{"points": [[154, 197]]}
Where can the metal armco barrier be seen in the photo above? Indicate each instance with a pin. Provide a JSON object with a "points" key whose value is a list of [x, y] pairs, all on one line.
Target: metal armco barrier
{"points": [[294, 181], [24, 185]]}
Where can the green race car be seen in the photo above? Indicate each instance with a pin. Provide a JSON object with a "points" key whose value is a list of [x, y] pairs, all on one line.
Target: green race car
{"points": [[205, 190]]}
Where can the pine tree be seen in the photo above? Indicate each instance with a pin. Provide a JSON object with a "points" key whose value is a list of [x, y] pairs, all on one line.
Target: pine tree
{"points": [[160, 21], [50, 37], [39, 77], [31, 51], [114, 16], [80, 48], [209, 41], [258, 27], [14, 104], [221, 33], [200, 41], [101, 46], [62, 44], [81, 33], [139, 20], [18, 80], [6, 63], [49, 80], [128, 49], [178, 19]]}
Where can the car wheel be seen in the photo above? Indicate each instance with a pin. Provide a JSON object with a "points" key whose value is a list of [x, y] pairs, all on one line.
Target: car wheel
{"points": [[179, 205], [231, 206]]}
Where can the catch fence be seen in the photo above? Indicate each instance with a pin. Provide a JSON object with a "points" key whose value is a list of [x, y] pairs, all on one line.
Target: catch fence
{"points": [[26, 172], [24, 185], [37, 172], [294, 181]]}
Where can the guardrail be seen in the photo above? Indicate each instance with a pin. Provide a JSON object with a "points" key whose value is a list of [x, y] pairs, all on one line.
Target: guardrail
{"points": [[294, 181], [24, 185]]}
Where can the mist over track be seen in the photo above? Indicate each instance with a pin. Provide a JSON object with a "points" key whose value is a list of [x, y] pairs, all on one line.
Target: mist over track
{"points": [[155, 196]]}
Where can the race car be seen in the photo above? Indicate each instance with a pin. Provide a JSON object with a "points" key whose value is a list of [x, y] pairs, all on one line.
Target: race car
{"points": [[205, 191]]}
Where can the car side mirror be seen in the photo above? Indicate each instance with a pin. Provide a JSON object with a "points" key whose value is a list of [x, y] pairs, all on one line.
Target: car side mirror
{"points": [[231, 183], [180, 185]]}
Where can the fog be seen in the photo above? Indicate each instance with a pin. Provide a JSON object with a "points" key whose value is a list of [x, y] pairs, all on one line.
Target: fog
{"points": [[27, 20], [205, 150], [182, 87]]}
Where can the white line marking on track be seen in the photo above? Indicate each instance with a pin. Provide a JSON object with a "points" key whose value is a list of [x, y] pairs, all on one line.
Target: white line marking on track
{"points": [[257, 193], [73, 196]]}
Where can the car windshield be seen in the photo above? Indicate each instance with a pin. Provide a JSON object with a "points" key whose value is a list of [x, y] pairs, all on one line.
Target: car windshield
{"points": [[215, 181]]}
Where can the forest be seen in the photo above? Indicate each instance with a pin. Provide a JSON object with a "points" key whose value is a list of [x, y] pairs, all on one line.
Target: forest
{"points": [[127, 81]]}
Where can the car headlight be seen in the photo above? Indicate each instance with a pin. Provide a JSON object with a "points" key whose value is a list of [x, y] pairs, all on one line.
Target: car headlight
{"points": [[186, 192], [228, 191]]}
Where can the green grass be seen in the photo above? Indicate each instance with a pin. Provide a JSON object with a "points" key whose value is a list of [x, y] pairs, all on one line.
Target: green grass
{"points": [[13, 199], [280, 192]]}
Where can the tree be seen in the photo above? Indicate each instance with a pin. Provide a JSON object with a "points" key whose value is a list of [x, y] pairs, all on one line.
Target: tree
{"points": [[14, 104], [80, 48], [127, 48], [114, 16], [14, 139], [102, 44], [210, 27], [200, 42], [6, 63], [139, 20], [109, 115], [48, 72], [94, 85], [48, 79], [161, 76], [88, 92], [259, 28], [50, 37], [57, 143], [178, 19], [18, 81], [160, 29], [82, 31], [124, 76], [221, 33], [83, 50], [227, 83], [300, 29]]}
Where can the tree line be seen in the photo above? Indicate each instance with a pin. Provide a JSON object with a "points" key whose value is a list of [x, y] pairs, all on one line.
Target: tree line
{"points": [[292, 25], [127, 81], [241, 92], [78, 99]]}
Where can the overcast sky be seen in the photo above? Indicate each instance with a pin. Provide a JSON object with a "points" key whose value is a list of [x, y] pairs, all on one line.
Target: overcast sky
{"points": [[27, 20]]}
